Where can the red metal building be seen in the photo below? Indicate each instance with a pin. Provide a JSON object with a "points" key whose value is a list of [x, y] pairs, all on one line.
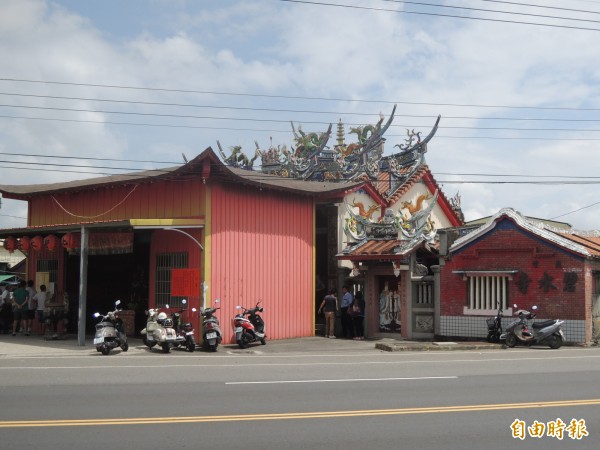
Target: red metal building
{"points": [[251, 236]]}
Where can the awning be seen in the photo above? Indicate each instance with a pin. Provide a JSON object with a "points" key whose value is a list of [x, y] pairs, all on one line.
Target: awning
{"points": [[7, 277], [382, 250]]}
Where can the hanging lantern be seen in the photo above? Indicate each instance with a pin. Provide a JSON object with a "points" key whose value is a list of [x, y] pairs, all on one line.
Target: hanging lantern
{"points": [[71, 241], [51, 242], [36, 243], [24, 243], [10, 244]]}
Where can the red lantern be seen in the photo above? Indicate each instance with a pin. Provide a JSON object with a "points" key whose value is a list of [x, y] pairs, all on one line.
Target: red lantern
{"points": [[10, 244], [36, 243], [71, 241], [24, 243], [51, 242]]}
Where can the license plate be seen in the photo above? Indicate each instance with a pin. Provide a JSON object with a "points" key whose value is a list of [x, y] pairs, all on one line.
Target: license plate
{"points": [[212, 335], [98, 340], [189, 333], [238, 329]]}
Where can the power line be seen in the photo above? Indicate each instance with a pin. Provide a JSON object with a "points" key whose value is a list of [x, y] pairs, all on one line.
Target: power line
{"points": [[542, 6], [249, 119], [466, 8], [368, 8], [263, 130], [576, 210], [291, 97], [300, 111]]}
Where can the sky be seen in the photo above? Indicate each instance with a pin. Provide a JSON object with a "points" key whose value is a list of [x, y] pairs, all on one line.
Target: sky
{"points": [[89, 88]]}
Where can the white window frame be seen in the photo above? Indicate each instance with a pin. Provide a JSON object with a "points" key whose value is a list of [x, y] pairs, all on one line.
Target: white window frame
{"points": [[485, 289]]}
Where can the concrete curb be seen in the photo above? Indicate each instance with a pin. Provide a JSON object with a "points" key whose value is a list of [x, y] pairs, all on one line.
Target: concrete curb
{"points": [[434, 346]]}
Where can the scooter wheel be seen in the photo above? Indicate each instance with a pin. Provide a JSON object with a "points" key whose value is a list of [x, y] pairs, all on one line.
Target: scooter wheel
{"points": [[511, 340], [166, 348], [125, 346], [263, 341], [554, 342], [191, 345], [242, 343], [105, 350]]}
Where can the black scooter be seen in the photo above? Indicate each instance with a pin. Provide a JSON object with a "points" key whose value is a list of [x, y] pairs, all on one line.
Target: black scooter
{"points": [[211, 330], [494, 325]]}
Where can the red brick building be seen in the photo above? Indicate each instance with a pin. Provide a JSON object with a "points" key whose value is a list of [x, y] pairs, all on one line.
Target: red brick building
{"points": [[513, 260]]}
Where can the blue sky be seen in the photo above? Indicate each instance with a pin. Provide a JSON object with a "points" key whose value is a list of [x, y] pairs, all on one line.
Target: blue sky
{"points": [[519, 103]]}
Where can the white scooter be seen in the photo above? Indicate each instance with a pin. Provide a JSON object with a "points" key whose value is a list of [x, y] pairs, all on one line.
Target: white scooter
{"points": [[159, 330]]}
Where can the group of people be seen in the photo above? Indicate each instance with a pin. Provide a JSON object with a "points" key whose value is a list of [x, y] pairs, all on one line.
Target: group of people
{"points": [[20, 305], [352, 314]]}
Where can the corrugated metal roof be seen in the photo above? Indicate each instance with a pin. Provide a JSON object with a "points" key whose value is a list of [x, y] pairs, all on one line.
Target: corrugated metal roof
{"points": [[194, 168]]}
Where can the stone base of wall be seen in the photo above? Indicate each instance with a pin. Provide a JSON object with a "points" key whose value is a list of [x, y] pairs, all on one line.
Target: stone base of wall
{"points": [[476, 327]]}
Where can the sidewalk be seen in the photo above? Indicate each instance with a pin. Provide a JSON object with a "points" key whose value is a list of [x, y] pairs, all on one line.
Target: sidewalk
{"points": [[37, 346]]}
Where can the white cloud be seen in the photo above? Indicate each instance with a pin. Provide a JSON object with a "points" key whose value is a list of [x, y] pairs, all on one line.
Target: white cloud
{"points": [[300, 50]]}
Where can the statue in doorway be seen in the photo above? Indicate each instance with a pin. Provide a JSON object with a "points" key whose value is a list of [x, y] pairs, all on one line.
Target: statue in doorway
{"points": [[389, 310]]}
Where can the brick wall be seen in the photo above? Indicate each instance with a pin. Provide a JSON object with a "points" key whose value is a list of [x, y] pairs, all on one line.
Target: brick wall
{"points": [[556, 277]]}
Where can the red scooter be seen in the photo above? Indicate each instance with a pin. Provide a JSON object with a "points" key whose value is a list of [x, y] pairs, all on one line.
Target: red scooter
{"points": [[250, 329]]}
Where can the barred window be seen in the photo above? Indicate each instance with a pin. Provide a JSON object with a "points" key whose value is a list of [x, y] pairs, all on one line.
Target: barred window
{"points": [[487, 292], [423, 293], [165, 262], [49, 266]]}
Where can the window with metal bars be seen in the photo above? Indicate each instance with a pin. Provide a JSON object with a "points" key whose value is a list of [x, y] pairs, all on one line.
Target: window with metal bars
{"points": [[423, 293], [487, 292], [50, 266], [165, 262]]}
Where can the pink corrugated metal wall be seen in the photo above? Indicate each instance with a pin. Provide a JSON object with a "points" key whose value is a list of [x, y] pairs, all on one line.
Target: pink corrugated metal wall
{"points": [[262, 248]]}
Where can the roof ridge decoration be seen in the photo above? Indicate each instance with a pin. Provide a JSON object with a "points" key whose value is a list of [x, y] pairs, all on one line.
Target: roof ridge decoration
{"points": [[392, 225], [311, 159]]}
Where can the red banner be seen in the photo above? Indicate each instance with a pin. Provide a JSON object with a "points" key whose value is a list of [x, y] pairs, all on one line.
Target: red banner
{"points": [[185, 282]]}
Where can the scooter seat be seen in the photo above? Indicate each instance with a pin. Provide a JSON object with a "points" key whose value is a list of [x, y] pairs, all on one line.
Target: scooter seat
{"points": [[547, 323]]}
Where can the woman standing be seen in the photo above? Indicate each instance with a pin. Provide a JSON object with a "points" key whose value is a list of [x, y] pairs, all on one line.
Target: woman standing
{"points": [[358, 316], [329, 307]]}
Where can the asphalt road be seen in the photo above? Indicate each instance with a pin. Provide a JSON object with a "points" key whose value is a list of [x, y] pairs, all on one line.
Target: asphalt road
{"points": [[363, 399]]}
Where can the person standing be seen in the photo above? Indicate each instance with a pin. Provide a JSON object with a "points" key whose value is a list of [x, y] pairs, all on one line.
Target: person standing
{"points": [[329, 307], [30, 305], [20, 308], [358, 316], [347, 300], [6, 314], [40, 301]]}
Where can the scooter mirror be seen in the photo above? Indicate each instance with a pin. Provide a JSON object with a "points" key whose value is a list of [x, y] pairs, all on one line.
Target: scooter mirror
{"points": [[184, 301], [96, 315], [238, 307], [194, 310], [167, 306], [118, 302], [515, 305], [534, 307], [217, 300]]}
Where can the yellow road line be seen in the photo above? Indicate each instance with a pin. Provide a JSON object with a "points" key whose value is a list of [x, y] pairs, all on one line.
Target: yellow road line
{"points": [[298, 415]]}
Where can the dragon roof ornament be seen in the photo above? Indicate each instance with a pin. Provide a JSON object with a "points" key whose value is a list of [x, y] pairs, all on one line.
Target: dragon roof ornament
{"points": [[311, 159], [392, 225]]}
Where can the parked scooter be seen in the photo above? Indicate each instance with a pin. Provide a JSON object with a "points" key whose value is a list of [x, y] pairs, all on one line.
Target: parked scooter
{"points": [[251, 329], [159, 330], [211, 330], [494, 325], [520, 331], [110, 332], [184, 330]]}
